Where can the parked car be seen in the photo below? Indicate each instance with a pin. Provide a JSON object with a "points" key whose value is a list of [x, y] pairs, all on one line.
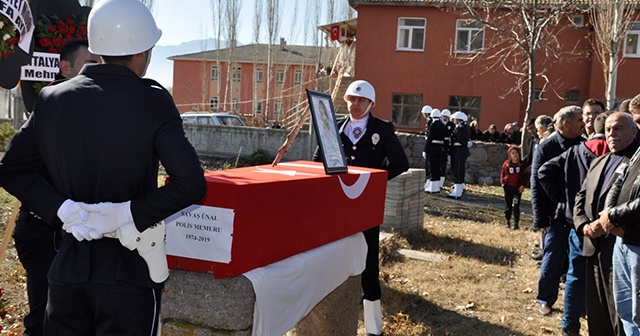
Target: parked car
{"points": [[225, 119]]}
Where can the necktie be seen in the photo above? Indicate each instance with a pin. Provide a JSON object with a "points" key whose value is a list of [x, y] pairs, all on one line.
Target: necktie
{"points": [[357, 131]]}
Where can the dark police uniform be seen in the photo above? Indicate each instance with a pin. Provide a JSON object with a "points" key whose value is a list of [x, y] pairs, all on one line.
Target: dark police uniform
{"points": [[449, 126], [102, 135], [459, 151], [426, 159], [378, 148], [434, 147]]}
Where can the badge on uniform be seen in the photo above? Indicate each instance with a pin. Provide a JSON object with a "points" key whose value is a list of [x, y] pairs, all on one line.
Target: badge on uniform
{"points": [[375, 138]]}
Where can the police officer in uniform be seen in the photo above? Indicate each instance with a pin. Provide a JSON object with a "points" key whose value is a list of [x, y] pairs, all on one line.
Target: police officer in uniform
{"points": [[459, 152], [102, 135], [369, 142], [426, 113], [434, 149], [446, 114]]}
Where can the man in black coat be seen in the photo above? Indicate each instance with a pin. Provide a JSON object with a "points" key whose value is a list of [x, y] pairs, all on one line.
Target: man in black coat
{"points": [[370, 142], [102, 135], [597, 247], [459, 152], [569, 128]]}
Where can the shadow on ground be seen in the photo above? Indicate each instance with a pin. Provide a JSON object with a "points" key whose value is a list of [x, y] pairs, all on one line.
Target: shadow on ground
{"points": [[440, 321]]}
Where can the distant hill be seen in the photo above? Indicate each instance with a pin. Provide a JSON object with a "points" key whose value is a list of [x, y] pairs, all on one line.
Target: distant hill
{"points": [[161, 69]]}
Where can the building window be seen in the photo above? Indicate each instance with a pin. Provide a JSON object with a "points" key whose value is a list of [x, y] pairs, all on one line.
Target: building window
{"points": [[631, 48], [296, 106], [577, 21], [258, 107], [237, 74], [279, 76], [538, 94], [405, 109], [572, 96], [411, 33], [469, 36], [215, 73], [258, 75], [277, 107], [235, 104], [469, 105], [297, 77], [213, 103]]}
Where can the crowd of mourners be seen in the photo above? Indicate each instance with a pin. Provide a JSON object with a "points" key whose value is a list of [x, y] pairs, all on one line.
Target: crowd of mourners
{"points": [[511, 133]]}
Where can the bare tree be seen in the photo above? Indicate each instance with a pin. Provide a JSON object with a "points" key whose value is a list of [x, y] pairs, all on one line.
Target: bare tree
{"points": [[257, 25], [523, 28], [90, 3], [610, 22], [273, 31]]}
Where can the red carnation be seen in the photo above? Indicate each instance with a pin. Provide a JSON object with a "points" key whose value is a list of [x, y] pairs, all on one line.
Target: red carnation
{"points": [[60, 22], [44, 42], [52, 50], [52, 28], [69, 21], [57, 41], [83, 29], [62, 29], [72, 29], [5, 55], [78, 36], [14, 41], [68, 37]]}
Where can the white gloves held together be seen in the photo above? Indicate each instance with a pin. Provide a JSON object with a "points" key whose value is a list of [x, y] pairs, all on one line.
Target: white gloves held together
{"points": [[92, 221]]}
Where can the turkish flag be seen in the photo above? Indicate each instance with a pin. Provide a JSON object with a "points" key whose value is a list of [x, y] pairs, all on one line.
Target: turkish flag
{"points": [[335, 33]]}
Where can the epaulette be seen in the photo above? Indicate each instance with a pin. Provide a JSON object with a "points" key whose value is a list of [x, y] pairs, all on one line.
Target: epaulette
{"points": [[152, 83]]}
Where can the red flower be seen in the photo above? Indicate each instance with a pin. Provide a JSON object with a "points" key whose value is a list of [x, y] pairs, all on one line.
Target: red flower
{"points": [[78, 36], [72, 29], [44, 42], [0, 328], [57, 41], [62, 29], [52, 28], [68, 37], [52, 50], [82, 29], [14, 41], [69, 21], [4, 315], [60, 22]]}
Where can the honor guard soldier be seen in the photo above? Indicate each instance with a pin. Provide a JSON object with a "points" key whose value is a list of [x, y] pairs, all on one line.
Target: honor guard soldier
{"points": [[102, 135], [434, 149], [459, 152], [426, 113], [369, 142], [449, 126]]}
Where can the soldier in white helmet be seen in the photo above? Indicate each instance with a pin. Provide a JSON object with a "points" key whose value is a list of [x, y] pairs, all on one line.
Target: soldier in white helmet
{"points": [[426, 113], [369, 142], [434, 149], [459, 152], [102, 135], [449, 126]]}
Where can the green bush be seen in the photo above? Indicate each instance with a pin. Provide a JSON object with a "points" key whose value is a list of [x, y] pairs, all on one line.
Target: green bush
{"points": [[259, 157], [6, 134]]}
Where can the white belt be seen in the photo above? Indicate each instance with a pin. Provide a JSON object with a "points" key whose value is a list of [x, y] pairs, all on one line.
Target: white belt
{"points": [[440, 142], [457, 144], [447, 139]]}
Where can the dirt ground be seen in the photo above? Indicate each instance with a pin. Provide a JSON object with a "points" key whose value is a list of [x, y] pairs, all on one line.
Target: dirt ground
{"points": [[485, 285]]}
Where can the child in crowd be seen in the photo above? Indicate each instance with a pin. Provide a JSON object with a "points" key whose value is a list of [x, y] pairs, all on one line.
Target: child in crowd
{"points": [[513, 182]]}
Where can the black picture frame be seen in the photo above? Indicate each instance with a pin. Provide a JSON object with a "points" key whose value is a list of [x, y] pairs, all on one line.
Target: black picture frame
{"points": [[324, 124]]}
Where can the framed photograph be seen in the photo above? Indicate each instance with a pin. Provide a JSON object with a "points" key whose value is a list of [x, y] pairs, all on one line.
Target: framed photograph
{"points": [[324, 124]]}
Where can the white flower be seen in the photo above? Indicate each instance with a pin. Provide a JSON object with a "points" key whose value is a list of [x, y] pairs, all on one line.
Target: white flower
{"points": [[6, 37], [1, 24]]}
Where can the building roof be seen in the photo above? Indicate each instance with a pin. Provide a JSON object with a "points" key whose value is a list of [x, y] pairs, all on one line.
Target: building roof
{"points": [[282, 54], [454, 3]]}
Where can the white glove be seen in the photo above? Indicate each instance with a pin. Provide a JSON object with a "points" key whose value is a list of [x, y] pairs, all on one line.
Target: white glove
{"points": [[71, 213], [469, 143], [424, 155], [107, 217], [449, 158], [82, 232]]}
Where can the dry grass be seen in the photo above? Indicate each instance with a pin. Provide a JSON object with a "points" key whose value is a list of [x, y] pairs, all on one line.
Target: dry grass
{"points": [[486, 285]]}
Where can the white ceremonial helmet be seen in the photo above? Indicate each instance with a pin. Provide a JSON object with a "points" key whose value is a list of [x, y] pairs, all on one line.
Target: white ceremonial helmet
{"points": [[435, 113], [121, 27], [361, 88], [459, 115], [446, 113], [426, 110]]}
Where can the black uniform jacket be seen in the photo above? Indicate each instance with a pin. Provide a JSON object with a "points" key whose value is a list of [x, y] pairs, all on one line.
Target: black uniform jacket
{"points": [[379, 148], [588, 200], [459, 140], [437, 132], [102, 135]]}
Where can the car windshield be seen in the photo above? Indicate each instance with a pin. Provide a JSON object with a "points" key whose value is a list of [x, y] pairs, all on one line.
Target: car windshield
{"points": [[230, 121]]}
